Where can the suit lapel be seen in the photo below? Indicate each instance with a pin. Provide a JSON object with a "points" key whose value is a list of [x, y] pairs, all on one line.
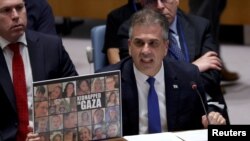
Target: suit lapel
{"points": [[172, 96], [130, 98], [188, 33], [6, 81], [36, 54]]}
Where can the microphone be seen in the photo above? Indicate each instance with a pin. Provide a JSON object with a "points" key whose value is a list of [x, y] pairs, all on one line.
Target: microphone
{"points": [[194, 87]]}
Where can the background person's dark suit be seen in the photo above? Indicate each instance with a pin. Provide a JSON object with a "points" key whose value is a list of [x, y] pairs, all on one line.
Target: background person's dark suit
{"points": [[211, 10], [48, 61], [184, 109], [197, 37], [40, 16]]}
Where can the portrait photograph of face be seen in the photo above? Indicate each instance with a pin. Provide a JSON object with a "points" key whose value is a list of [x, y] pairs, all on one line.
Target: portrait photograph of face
{"points": [[99, 132], [55, 90], [112, 114], [84, 118], [112, 98], [113, 129], [41, 108], [68, 89], [41, 93], [85, 133], [97, 85], [98, 116], [70, 120], [59, 106], [56, 136], [41, 124], [83, 87], [111, 82], [70, 134], [56, 122], [44, 136], [52, 107]]}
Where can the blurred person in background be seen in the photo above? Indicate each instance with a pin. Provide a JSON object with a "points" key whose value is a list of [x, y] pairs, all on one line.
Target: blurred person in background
{"points": [[212, 10], [114, 20], [40, 16]]}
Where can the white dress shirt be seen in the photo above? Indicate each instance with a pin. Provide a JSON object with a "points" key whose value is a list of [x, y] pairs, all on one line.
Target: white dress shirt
{"points": [[8, 54], [173, 27], [143, 89]]}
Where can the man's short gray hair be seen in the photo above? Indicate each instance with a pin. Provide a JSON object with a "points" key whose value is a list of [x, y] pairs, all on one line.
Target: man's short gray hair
{"points": [[148, 17]]}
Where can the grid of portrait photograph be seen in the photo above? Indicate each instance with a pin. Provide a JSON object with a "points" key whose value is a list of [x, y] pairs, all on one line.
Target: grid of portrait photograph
{"points": [[78, 108]]}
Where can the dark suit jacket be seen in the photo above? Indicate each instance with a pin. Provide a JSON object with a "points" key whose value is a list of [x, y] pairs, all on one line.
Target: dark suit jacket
{"points": [[198, 39], [48, 60], [40, 16], [184, 109], [211, 10]]}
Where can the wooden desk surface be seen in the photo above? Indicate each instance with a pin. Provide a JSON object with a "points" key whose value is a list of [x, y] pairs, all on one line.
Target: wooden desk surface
{"points": [[236, 12]]}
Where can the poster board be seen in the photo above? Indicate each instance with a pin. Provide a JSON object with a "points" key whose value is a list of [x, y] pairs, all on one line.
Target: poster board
{"points": [[78, 108]]}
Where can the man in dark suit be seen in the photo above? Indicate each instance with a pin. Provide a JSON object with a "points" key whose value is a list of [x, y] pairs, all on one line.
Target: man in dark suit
{"points": [[40, 16], [43, 56], [180, 107], [193, 34]]}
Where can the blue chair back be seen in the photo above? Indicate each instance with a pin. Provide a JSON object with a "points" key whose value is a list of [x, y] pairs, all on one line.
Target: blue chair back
{"points": [[97, 39]]}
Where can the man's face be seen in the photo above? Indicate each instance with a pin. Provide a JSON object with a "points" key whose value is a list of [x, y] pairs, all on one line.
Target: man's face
{"points": [[166, 7], [147, 48], [13, 19]]}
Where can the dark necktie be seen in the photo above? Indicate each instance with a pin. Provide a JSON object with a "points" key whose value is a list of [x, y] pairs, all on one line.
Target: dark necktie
{"points": [[154, 120], [174, 50], [19, 84]]}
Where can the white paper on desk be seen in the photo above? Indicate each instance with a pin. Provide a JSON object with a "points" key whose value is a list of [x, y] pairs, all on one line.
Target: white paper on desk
{"points": [[167, 136], [193, 135]]}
